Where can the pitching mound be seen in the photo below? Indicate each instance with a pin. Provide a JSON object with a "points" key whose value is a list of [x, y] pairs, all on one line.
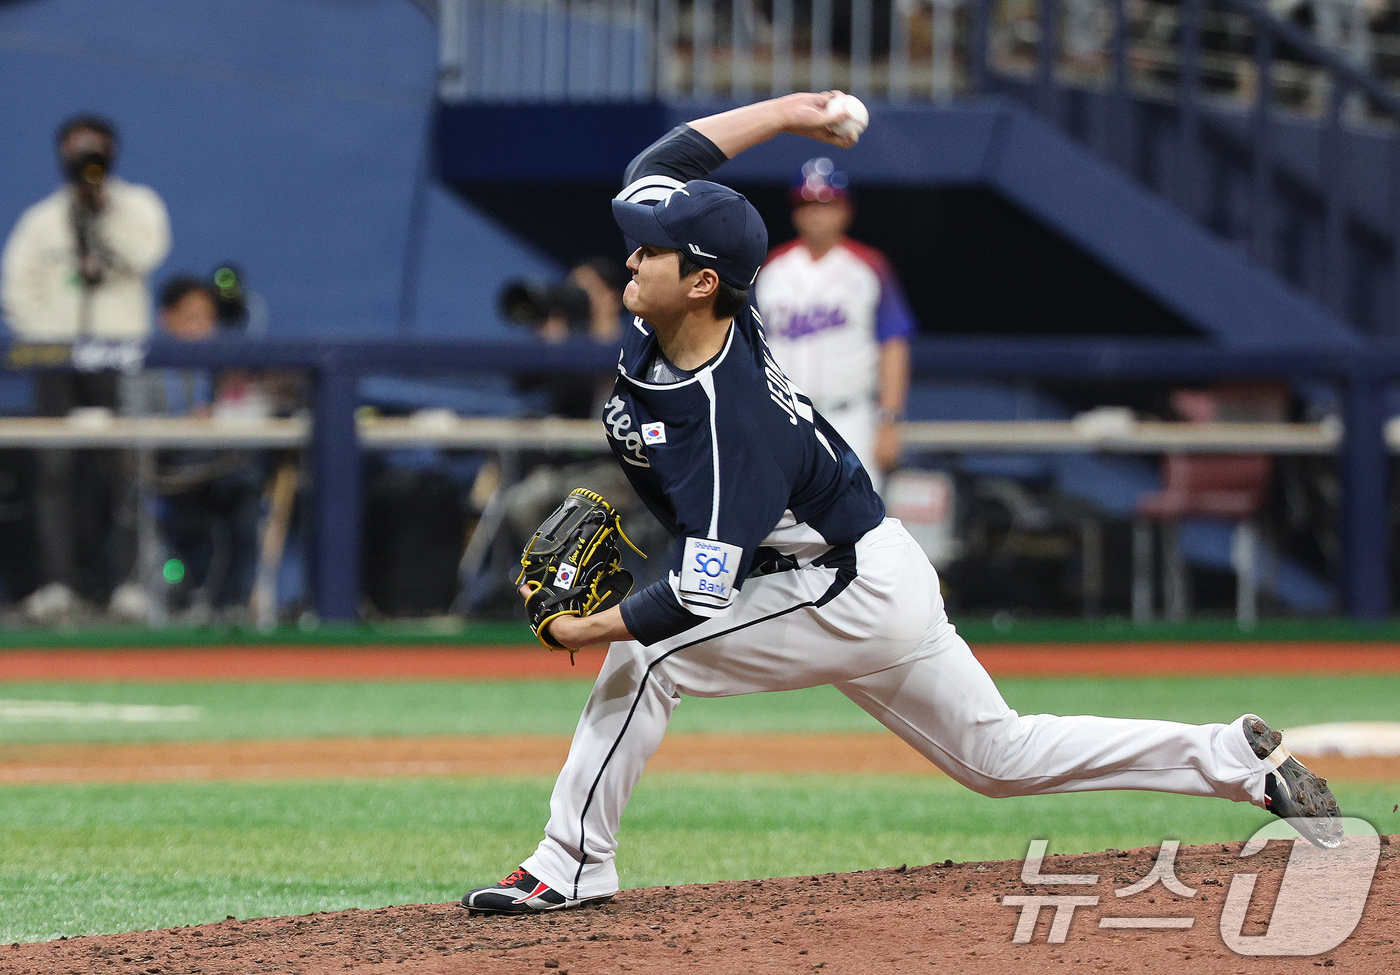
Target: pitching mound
{"points": [[947, 917]]}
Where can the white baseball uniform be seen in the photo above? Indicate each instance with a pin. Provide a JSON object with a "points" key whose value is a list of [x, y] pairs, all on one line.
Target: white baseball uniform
{"points": [[788, 575], [825, 321]]}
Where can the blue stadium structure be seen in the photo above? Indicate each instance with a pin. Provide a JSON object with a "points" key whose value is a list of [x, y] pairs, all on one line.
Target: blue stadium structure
{"points": [[381, 167]]}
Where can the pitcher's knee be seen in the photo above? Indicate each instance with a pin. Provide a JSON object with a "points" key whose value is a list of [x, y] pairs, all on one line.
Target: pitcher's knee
{"points": [[988, 782], [999, 763], [629, 667]]}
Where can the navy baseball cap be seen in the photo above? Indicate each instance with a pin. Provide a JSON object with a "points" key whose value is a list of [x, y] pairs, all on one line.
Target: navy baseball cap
{"points": [[711, 224]]}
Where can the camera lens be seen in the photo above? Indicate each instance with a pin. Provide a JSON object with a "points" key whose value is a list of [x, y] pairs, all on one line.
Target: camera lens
{"points": [[90, 168], [524, 302]]}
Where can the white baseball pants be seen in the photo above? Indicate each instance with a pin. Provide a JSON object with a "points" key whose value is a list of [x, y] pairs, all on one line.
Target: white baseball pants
{"points": [[881, 636]]}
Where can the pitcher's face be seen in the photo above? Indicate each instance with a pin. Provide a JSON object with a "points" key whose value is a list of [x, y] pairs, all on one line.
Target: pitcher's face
{"points": [[657, 292]]}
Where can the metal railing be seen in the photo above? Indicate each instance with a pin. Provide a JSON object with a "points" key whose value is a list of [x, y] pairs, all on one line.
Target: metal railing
{"points": [[1230, 60], [1362, 375], [550, 50], [1348, 89], [587, 50]]}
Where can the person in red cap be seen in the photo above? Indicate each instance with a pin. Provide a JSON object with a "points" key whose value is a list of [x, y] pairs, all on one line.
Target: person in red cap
{"points": [[837, 320]]}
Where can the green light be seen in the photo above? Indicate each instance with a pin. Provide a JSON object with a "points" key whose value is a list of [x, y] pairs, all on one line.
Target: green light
{"points": [[174, 571], [224, 278]]}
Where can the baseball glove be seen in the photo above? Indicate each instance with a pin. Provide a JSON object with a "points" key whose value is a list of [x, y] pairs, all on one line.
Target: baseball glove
{"points": [[572, 565]]}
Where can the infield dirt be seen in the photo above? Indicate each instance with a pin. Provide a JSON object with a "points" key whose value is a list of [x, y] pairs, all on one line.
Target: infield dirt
{"points": [[945, 917], [378, 663], [833, 752]]}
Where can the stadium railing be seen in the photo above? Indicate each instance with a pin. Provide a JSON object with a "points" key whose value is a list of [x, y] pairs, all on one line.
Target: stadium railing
{"points": [[1227, 72], [612, 50], [335, 441]]}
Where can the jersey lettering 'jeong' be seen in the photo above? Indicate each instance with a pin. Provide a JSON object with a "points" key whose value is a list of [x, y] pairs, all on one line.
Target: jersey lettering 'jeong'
{"points": [[746, 462], [782, 391]]}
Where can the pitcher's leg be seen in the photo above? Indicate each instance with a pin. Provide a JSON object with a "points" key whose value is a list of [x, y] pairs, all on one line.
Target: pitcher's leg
{"points": [[946, 706], [621, 727], [796, 628]]}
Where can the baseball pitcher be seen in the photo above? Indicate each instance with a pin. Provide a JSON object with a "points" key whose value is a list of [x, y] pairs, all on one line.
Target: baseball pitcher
{"points": [[787, 573]]}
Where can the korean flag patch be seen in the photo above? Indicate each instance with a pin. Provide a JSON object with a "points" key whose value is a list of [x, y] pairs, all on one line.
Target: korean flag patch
{"points": [[565, 576], [654, 433]]}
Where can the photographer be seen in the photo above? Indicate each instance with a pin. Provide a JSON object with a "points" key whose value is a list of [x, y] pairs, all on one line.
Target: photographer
{"points": [[210, 499], [74, 268], [587, 303], [75, 265]]}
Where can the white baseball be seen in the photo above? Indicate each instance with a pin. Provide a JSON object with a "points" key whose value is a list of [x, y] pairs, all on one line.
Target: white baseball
{"points": [[850, 115]]}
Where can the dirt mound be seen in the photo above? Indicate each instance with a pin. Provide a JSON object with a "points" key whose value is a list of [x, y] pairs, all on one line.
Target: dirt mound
{"points": [[947, 917]]}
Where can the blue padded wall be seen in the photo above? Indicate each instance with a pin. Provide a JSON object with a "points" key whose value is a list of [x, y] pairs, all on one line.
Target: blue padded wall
{"points": [[287, 135]]}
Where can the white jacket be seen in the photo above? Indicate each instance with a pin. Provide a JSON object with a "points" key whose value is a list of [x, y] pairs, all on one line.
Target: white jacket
{"points": [[39, 284]]}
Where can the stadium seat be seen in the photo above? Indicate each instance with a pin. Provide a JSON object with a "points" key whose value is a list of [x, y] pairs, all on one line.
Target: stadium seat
{"points": [[1231, 487]]}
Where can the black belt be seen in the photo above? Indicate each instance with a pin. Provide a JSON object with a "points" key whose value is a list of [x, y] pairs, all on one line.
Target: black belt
{"points": [[767, 560], [842, 558]]}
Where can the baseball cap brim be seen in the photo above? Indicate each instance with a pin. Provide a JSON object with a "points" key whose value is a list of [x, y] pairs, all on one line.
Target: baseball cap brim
{"points": [[640, 225]]}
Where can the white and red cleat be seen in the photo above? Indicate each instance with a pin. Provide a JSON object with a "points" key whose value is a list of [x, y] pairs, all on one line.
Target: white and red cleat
{"points": [[521, 893]]}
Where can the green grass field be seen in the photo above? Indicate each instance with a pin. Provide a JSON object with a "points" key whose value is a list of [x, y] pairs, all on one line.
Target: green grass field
{"points": [[307, 710], [90, 859]]}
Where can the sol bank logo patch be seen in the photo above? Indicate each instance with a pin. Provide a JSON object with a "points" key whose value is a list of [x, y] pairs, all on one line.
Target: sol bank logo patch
{"points": [[709, 572]]}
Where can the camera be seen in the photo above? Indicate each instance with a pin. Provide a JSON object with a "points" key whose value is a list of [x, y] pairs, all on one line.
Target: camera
{"points": [[531, 303], [592, 288], [89, 168]]}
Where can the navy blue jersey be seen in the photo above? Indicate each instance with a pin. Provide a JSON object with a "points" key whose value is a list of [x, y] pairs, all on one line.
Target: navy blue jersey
{"points": [[729, 458]]}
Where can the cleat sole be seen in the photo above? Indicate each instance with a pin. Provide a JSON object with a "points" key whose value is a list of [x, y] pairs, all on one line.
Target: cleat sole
{"points": [[1302, 794]]}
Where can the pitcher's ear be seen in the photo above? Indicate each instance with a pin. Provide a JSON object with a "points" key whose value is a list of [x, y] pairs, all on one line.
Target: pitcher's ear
{"points": [[706, 285]]}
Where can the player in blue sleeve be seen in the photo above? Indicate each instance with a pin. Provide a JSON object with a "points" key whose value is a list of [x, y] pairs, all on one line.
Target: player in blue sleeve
{"points": [[787, 572]]}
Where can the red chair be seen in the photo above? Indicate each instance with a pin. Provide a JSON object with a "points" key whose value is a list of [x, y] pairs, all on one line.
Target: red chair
{"points": [[1230, 486]]}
